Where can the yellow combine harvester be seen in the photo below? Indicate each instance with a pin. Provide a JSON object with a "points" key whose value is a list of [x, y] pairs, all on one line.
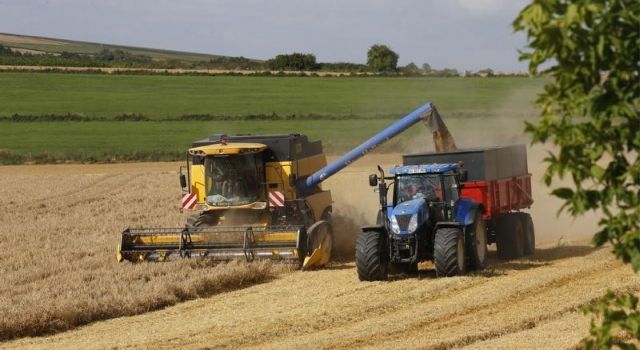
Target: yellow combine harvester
{"points": [[259, 197]]}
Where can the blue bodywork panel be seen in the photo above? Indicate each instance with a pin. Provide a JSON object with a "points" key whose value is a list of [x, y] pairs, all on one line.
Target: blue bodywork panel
{"points": [[434, 168], [417, 207], [464, 211], [409, 207]]}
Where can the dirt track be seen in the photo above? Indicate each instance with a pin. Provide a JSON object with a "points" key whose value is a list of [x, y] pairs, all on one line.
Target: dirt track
{"points": [[528, 303]]}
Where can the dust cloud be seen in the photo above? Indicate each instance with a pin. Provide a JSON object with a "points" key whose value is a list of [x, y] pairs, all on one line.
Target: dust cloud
{"points": [[355, 203]]}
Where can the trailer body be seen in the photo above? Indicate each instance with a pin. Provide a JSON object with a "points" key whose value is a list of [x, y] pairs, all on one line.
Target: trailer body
{"points": [[498, 176]]}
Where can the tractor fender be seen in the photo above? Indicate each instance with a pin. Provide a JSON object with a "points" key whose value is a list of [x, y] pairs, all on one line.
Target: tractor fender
{"points": [[442, 224], [376, 228], [465, 211]]}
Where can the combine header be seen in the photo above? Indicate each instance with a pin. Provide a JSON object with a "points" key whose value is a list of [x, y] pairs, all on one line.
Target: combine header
{"points": [[260, 197]]}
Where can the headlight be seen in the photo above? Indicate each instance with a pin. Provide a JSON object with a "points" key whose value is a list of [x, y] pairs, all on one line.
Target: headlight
{"points": [[413, 223], [395, 228]]}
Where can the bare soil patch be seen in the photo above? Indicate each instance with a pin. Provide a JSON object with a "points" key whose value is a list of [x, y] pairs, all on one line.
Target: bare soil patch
{"points": [[15, 39]]}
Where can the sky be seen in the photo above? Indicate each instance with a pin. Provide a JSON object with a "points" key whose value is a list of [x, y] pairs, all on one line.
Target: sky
{"points": [[461, 34]]}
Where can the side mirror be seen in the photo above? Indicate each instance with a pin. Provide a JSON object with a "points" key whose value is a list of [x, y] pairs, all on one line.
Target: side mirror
{"points": [[464, 175], [373, 180], [183, 181]]}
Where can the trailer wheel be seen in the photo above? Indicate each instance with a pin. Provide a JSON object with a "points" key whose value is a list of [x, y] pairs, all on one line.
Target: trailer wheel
{"points": [[448, 252], [372, 260], [510, 237], [478, 244], [529, 234]]}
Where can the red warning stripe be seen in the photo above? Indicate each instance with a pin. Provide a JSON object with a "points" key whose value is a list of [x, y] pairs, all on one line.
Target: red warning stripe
{"points": [[276, 199], [189, 201]]}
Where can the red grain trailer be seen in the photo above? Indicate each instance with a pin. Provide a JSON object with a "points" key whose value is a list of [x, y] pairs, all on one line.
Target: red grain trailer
{"points": [[498, 177]]}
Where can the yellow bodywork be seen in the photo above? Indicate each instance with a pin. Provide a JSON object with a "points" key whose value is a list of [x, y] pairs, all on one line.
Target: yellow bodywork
{"points": [[228, 233], [278, 176]]}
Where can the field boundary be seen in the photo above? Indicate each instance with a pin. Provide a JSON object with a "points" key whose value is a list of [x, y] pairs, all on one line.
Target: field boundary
{"points": [[139, 117]]}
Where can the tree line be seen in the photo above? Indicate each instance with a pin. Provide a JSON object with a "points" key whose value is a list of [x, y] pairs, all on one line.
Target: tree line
{"points": [[381, 60]]}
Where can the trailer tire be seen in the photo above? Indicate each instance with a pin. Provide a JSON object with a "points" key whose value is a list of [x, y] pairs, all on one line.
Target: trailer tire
{"points": [[477, 244], [510, 237], [372, 261], [448, 252], [529, 234]]}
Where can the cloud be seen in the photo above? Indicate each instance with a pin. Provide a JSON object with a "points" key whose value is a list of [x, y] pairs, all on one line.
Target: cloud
{"points": [[486, 7]]}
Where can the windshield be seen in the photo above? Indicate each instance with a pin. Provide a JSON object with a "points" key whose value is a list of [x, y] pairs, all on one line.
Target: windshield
{"points": [[234, 179], [416, 186]]}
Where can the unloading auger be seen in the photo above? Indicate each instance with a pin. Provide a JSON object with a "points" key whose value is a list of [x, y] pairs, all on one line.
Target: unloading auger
{"points": [[260, 197]]}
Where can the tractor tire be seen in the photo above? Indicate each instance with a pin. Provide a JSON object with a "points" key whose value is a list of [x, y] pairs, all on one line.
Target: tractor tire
{"points": [[372, 260], [529, 234], [448, 252], [477, 244], [510, 237]]}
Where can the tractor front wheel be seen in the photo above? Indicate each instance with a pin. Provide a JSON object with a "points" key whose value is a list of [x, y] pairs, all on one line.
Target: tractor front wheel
{"points": [[372, 260], [448, 252]]}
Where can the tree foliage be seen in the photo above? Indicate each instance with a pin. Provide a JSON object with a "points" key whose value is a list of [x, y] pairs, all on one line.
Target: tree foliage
{"points": [[294, 61], [590, 111], [381, 58]]}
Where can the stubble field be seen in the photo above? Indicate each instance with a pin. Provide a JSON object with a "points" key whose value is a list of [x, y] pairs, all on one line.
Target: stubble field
{"points": [[60, 225]]}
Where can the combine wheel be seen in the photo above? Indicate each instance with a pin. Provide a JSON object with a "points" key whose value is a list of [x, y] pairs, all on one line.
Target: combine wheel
{"points": [[319, 246], [510, 237], [371, 256], [448, 252], [477, 244], [201, 220]]}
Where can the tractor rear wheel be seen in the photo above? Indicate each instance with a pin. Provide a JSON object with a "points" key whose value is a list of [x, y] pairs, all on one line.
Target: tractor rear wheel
{"points": [[448, 252], [477, 244], [372, 260], [510, 237]]}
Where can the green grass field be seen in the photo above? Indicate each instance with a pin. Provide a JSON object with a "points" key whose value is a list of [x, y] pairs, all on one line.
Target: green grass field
{"points": [[171, 96], [473, 103]]}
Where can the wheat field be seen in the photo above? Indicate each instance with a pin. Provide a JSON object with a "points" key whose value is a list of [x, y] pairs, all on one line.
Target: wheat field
{"points": [[58, 235]]}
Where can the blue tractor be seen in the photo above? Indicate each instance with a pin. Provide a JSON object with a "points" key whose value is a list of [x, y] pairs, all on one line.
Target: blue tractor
{"points": [[427, 219]]}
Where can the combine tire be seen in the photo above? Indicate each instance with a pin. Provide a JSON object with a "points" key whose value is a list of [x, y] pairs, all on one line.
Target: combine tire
{"points": [[529, 234], [371, 256], [477, 244], [448, 252], [198, 220], [510, 237]]}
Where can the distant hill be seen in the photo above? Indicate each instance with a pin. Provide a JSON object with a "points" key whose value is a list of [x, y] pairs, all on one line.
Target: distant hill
{"points": [[36, 45]]}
